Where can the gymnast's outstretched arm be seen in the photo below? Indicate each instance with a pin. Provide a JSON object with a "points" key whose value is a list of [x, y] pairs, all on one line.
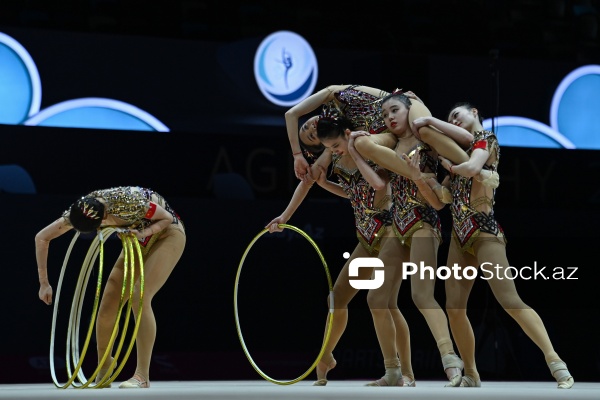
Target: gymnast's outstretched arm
{"points": [[300, 193], [42, 244]]}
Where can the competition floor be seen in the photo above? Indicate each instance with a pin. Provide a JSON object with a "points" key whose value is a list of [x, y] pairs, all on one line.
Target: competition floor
{"points": [[258, 390]]}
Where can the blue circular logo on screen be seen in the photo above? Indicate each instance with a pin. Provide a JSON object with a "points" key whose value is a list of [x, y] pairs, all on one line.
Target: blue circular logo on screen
{"points": [[285, 68]]}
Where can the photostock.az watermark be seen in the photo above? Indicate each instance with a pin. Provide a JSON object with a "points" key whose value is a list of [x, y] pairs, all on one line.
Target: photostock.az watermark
{"points": [[486, 271]]}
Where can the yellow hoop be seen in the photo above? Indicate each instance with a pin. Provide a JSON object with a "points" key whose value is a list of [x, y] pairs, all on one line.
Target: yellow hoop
{"points": [[329, 321]]}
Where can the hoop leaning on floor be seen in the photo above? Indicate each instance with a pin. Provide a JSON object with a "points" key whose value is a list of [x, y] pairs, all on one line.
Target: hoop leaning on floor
{"points": [[330, 315]]}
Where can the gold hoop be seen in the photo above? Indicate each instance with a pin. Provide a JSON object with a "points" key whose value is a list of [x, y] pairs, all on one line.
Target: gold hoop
{"points": [[329, 320], [72, 349]]}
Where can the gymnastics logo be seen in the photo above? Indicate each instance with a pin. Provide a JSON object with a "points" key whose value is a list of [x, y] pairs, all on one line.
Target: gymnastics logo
{"points": [[285, 68], [574, 117], [21, 95]]}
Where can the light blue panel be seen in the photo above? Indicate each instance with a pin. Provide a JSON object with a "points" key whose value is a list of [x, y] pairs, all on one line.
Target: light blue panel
{"points": [[579, 112], [15, 87], [519, 136], [96, 118]]}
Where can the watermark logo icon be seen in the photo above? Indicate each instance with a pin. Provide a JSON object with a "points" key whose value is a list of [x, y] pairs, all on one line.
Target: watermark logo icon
{"points": [[366, 262]]}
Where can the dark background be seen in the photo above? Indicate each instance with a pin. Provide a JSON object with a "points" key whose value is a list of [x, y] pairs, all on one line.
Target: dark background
{"points": [[189, 63]]}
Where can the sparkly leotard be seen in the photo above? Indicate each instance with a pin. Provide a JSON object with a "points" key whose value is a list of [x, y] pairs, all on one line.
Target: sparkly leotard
{"points": [[370, 219], [361, 108], [410, 211], [467, 222], [133, 204]]}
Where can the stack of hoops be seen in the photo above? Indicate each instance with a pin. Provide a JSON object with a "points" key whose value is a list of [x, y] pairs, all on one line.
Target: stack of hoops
{"points": [[75, 354]]}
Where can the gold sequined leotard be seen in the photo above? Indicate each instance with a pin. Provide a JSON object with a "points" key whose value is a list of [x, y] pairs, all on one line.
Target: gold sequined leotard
{"points": [[361, 108], [369, 218], [409, 210], [132, 204], [467, 222]]}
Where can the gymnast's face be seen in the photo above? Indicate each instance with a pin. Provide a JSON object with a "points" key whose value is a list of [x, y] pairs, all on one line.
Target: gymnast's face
{"points": [[308, 132], [395, 116], [463, 117], [338, 145]]}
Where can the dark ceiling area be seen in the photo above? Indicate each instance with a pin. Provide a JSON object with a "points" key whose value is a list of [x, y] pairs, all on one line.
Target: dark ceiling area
{"points": [[544, 29]]}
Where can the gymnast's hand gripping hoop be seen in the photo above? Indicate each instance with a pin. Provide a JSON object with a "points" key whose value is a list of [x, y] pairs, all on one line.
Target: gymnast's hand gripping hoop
{"points": [[73, 353], [330, 315]]}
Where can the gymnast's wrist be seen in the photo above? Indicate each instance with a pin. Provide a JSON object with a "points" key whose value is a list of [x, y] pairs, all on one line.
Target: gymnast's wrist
{"points": [[419, 178]]}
